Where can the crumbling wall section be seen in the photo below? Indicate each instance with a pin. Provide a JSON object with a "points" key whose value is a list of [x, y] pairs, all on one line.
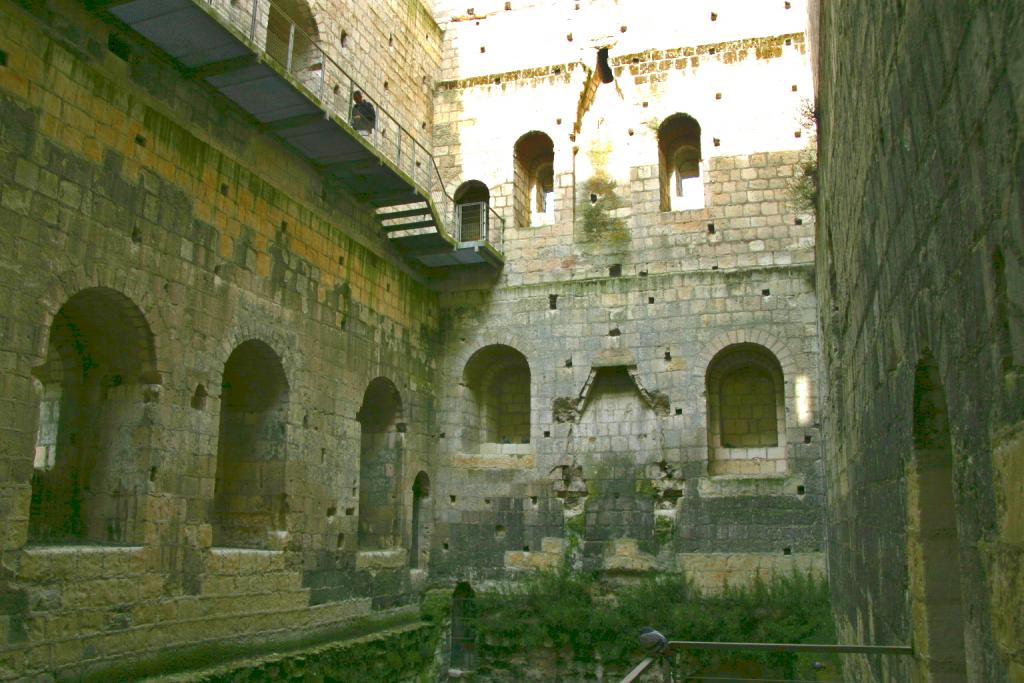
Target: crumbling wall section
{"points": [[629, 462]]}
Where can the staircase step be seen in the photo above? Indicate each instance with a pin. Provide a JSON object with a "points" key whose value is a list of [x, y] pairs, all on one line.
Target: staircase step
{"points": [[404, 213], [425, 223]]}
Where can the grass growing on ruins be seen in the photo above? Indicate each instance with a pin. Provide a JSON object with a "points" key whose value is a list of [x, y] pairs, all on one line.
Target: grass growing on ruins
{"points": [[584, 620], [802, 189]]}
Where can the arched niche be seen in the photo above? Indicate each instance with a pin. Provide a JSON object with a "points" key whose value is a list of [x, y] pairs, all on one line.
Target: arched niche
{"points": [[249, 491], [293, 40], [92, 457], [533, 182], [746, 412], [472, 200], [380, 465], [419, 547], [936, 598], [496, 401], [463, 634]]}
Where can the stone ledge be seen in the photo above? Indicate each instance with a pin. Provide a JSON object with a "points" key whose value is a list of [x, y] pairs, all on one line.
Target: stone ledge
{"points": [[376, 560], [507, 456], [730, 485], [79, 562], [623, 556]]}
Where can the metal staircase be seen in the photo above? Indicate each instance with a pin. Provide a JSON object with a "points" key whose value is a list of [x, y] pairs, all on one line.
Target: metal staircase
{"points": [[273, 67]]}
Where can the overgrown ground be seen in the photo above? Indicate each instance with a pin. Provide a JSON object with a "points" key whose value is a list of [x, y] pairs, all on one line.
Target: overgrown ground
{"points": [[580, 628]]}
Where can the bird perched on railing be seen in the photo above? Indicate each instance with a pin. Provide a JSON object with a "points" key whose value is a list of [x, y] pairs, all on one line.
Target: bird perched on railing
{"points": [[652, 641]]}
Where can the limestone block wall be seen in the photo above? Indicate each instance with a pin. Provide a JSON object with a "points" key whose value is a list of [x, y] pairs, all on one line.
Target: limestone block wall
{"points": [[920, 262], [620, 298], [744, 83], [390, 50], [619, 431], [150, 235]]}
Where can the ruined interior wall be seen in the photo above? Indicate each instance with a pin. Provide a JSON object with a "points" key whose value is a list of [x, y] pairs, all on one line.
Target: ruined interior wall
{"points": [[617, 477], [921, 250], [122, 174], [745, 91], [627, 459]]}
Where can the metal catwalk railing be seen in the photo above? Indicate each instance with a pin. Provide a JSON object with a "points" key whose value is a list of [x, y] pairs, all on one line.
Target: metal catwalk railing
{"points": [[675, 646], [292, 44]]}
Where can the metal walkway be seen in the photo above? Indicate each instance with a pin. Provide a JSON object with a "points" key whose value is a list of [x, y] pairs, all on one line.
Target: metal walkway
{"points": [[273, 67]]}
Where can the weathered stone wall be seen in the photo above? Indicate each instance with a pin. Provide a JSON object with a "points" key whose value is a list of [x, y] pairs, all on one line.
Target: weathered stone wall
{"points": [[199, 337], [128, 193], [618, 306], [618, 442], [920, 258]]}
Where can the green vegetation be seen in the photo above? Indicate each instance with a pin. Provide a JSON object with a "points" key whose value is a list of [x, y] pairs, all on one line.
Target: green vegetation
{"points": [[584, 620], [803, 186], [598, 201]]}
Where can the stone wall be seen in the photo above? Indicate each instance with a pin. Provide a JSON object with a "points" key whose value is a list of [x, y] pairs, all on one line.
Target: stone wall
{"points": [[619, 429], [618, 306], [235, 417], [151, 233], [921, 289]]}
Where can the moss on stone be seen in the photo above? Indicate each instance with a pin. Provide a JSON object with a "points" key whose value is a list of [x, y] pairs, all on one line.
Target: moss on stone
{"points": [[596, 218]]}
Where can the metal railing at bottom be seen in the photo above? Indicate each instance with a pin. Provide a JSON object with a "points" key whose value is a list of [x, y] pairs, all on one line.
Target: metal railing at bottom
{"points": [[675, 646]]}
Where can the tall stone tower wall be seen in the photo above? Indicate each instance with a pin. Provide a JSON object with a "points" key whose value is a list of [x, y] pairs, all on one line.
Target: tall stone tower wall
{"points": [[633, 308], [920, 255]]}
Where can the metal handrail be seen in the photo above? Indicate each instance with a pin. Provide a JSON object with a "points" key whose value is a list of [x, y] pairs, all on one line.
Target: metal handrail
{"points": [[676, 645], [680, 645], [326, 82]]}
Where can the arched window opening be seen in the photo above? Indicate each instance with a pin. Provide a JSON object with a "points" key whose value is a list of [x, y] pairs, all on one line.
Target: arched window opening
{"points": [[249, 501], [471, 203], [746, 412], [464, 616], [380, 465], [497, 401], [89, 474], [293, 40], [419, 548], [933, 552], [682, 183], [534, 182]]}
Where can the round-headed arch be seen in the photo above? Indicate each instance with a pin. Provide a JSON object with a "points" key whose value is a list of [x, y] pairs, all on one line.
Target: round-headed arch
{"points": [[100, 354], [496, 407], [381, 408], [249, 491], [746, 411], [533, 166], [101, 330], [679, 157]]}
